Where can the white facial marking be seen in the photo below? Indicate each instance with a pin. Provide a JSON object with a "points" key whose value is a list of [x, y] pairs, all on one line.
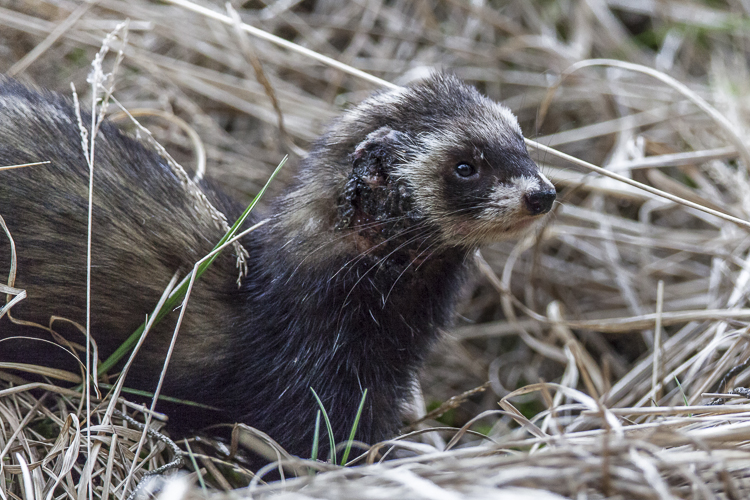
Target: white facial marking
{"points": [[504, 193], [526, 184], [507, 198], [546, 181]]}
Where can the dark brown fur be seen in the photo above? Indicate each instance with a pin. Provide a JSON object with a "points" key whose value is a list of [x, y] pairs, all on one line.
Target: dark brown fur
{"points": [[349, 283]]}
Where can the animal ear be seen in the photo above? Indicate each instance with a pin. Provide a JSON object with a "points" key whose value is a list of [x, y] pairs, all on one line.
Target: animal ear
{"points": [[372, 163], [373, 158]]}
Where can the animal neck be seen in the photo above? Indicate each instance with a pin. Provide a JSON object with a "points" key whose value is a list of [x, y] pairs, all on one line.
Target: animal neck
{"points": [[341, 325], [390, 299]]}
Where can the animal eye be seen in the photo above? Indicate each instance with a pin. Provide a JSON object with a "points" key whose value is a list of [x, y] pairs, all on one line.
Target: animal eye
{"points": [[465, 170]]}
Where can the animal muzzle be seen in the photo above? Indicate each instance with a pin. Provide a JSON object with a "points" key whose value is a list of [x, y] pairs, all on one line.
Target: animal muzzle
{"points": [[539, 202]]}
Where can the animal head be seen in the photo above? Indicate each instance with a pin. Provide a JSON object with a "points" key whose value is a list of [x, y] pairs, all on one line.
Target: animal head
{"points": [[440, 151]]}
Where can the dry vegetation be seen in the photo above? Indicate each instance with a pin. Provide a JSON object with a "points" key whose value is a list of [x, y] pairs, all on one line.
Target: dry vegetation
{"points": [[604, 336]]}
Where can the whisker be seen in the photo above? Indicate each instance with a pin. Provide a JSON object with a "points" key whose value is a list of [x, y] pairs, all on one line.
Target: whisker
{"points": [[385, 300], [335, 240], [367, 252], [377, 264]]}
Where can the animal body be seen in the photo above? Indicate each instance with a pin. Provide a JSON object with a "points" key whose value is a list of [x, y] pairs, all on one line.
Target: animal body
{"points": [[348, 284]]}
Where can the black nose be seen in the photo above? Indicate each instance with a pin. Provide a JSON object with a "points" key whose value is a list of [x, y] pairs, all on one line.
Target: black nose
{"points": [[539, 202]]}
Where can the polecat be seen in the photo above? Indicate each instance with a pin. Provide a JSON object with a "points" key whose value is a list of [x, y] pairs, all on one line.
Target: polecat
{"points": [[348, 284]]}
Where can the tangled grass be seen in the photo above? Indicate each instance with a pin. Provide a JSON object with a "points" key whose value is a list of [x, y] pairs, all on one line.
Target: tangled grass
{"points": [[604, 337]]}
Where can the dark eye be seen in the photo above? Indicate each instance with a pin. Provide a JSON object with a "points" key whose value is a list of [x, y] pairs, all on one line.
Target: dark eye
{"points": [[465, 170]]}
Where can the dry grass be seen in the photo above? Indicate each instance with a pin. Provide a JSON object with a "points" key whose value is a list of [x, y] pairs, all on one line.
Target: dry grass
{"points": [[635, 306], [45, 447]]}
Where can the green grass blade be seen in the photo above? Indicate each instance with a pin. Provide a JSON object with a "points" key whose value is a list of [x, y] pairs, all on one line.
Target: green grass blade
{"points": [[236, 226], [179, 292], [195, 467], [316, 438], [684, 396], [354, 429], [328, 425]]}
